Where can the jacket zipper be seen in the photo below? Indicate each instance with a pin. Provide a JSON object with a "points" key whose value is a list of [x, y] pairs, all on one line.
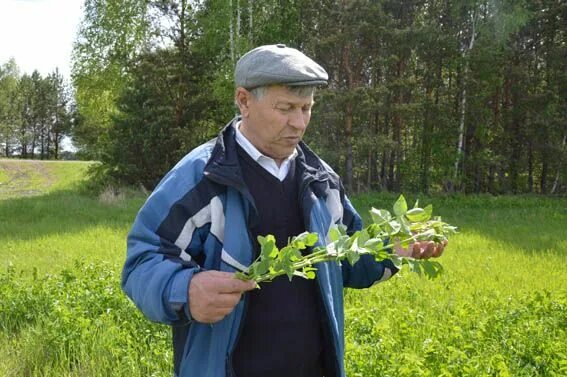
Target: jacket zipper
{"points": [[304, 186], [232, 183], [229, 366]]}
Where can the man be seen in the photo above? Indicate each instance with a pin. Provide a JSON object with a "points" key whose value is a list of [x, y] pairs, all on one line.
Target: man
{"points": [[200, 224]]}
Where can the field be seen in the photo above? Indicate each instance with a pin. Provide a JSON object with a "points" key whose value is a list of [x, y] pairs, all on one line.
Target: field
{"points": [[500, 308]]}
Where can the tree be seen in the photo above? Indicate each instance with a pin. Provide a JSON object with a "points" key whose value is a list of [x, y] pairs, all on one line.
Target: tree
{"points": [[9, 105], [111, 35]]}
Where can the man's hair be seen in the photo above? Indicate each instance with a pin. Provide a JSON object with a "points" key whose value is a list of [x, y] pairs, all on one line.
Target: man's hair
{"points": [[300, 91]]}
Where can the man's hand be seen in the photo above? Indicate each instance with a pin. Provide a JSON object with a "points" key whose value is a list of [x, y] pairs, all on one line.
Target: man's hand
{"points": [[422, 250], [214, 294]]}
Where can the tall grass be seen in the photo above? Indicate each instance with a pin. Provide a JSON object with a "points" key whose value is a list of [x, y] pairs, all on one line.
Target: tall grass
{"points": [[500, 308]]}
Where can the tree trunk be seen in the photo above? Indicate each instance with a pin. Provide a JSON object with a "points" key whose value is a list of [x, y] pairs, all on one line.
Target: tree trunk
{"points": [[33, 147], [544, 168], [250, 22], [426, 142], [369, 172], [231, 35], [348, 141], [351, 84], [395, 173], [463, 111], [491, 172], [384, 164], [558, 175], [530, 167], [57, 144], [42, 141]]}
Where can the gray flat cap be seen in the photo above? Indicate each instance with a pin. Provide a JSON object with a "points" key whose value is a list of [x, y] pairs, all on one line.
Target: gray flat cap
{"points": [[277, 64]]}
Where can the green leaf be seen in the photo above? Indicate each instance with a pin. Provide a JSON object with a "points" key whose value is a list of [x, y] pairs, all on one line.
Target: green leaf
{"points": [[342, 229], [415, 266], [393, 227], [334, 234], [373, 244], [311, 239], [241, 275], [382, 255], [380, 215], [269, 249], [431, 269], [295, 255], [299, 245], [396, 260], [400, 206], [289, 271], [428, 211], [352, 257], [417, 215], [405, 226], [363, 236], [262, 267], [310, 274]]}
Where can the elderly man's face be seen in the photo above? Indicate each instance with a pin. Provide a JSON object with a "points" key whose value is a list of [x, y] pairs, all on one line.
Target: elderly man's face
{"points": [[275, 122]]}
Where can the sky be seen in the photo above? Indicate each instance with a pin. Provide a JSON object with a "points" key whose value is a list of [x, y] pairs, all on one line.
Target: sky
{"points": [[39, 34]]}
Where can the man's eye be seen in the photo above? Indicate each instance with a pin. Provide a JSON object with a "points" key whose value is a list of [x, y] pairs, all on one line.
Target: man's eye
{"points": [[284, 109]]}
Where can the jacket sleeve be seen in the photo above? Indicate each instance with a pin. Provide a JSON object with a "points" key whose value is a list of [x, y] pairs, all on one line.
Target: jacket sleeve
{"points": [[366, 271], [157, 273]]}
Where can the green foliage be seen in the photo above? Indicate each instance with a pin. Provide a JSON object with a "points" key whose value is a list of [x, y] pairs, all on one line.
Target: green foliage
{"points": [[110, 36], [34, 113], [403, 75], [76, 320], [498, 309], [404, 228]]}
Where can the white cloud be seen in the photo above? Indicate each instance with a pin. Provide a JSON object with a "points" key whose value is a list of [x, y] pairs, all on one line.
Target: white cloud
{"points": [[39, 34]]}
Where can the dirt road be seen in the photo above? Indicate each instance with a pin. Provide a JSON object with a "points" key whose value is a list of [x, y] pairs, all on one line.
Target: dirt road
{"points": [[24, 178]]}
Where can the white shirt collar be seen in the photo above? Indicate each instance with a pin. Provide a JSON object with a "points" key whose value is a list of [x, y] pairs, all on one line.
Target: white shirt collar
{"points": [[266, 162]]}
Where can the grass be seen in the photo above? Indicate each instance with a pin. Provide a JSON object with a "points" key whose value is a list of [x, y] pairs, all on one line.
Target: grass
{"points": [[500, 308], [49, 222], [21, 178]]}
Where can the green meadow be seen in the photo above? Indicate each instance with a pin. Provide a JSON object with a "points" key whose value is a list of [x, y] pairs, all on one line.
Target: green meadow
{"points": [[499, 309]]}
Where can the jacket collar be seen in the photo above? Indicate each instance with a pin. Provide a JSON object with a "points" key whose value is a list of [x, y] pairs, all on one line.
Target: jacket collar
{"points": [[223, 166]]}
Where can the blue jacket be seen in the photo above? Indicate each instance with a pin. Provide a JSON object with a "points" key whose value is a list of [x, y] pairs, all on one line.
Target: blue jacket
{"points": [[198, 218]]}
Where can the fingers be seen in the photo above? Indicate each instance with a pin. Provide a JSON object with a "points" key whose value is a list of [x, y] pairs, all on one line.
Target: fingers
{"points": [[225, 282], [439, 249], [428, 249], [233, 285], [416, 250], [214, 294]]}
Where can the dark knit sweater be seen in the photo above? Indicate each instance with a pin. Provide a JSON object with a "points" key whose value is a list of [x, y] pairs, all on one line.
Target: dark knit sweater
{"points": [[281, 334]]}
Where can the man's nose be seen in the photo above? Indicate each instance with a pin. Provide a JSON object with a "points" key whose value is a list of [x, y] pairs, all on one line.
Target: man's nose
{"points": [[297, 119]]}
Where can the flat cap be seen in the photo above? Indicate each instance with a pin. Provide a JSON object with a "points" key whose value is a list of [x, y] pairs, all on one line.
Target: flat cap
{"points": [[277, 64]]}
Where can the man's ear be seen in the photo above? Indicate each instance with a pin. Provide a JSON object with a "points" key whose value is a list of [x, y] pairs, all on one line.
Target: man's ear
{"points": [[243, 97]]}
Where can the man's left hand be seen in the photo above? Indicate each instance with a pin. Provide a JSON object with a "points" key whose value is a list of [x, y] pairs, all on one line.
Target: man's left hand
{"points": [[422, 250]]}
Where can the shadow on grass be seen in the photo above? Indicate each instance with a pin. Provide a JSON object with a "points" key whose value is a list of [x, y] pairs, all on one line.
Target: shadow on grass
{"points": [[529, 223], [59, 212]]}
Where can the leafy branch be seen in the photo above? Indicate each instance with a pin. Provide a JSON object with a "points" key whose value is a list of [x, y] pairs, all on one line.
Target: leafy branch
{"points": [[402, 227]]}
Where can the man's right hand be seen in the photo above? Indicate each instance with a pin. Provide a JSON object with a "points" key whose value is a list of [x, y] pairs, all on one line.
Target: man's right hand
{"points": [[214, 294]]}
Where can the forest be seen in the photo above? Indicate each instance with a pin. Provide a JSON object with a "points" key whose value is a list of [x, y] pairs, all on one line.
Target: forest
{"points": [[424, 96]]}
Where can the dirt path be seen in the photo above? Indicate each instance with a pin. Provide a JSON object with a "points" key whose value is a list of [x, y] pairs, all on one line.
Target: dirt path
{"points": [[24, 178]]}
